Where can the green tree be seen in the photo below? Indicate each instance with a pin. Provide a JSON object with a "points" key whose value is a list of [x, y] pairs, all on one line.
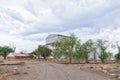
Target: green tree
{"points": [[32, 54], [117, 56], [59, 50], [103, 54], [78, 51], [110, 55], [65, 48], [5, 50], [1, 53], [44, 51], [87, 47], [41, 51]]}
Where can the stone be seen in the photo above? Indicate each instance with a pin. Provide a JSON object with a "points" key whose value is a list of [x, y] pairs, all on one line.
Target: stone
{"points": [[112, 74], [98, 69], [117, 76], [28, 67], [15, 71], [91, 67], [25, 73], [104, 71]]}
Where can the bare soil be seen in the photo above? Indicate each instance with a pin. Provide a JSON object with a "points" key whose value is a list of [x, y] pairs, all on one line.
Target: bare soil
{"points": [[38, 70]]}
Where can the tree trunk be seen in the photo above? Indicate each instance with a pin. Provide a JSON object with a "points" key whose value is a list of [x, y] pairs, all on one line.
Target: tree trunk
{"points": [[103, 61], [86, 59], [5, 56], [70, 60]]}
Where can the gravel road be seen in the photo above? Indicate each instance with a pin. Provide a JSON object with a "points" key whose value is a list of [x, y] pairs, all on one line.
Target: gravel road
{"points": [[53, 71]]}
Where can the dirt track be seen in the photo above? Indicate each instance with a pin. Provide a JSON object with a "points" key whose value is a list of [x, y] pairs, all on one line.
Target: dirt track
{"points": [[53, 71]]}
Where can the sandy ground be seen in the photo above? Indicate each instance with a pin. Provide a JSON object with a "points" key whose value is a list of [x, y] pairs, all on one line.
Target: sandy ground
{"points": [[49, 71]]}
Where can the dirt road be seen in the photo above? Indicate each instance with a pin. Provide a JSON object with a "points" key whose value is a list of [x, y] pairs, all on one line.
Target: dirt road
{"points": [[53, 71]]}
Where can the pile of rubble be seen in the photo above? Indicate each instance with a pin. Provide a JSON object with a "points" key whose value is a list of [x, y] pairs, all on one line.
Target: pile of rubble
{"points": [[108, 69]]}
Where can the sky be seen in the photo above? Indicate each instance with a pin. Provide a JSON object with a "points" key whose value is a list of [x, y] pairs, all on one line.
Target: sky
{"points": [[26, 23]]}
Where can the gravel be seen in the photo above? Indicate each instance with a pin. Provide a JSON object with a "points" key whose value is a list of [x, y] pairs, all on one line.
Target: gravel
{"points": [[50, 71]]}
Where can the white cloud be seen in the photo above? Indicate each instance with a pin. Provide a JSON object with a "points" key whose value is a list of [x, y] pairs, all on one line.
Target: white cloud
{"points": [[21, 44], [28, 22]]}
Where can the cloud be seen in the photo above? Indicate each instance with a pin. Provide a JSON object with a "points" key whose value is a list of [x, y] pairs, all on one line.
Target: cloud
{"points": [[63, 15], [21, 44], [32, 21]]}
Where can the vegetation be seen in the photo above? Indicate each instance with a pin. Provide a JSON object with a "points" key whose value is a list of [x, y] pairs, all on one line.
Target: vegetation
{"points": [[44, 51], [5, 50], [41, 51], [71, 48], [117, 56], [32, 54], [66, 47], [104, 55], [110, 55], [87, 48], [79, 51]]}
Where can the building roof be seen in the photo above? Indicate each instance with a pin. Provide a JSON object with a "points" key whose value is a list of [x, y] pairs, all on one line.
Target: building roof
{"points": [[18, 54], [52, 38], [53, 35]]}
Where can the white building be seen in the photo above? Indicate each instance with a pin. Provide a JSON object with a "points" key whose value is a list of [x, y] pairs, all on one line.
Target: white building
{"points": [[52, 38]]}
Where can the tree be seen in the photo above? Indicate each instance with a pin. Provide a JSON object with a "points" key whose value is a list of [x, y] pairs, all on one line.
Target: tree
{"points": [[59, 50], [87, 47], [65, 47], [5, 50], [78, 51], [103, 54], [1, 53], [110, 55], [44, 51], [117, 56], [32, 54], [41, 51]]}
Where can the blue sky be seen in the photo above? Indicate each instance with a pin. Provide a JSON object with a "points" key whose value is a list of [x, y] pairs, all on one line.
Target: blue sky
{"points": [[25, 24]]}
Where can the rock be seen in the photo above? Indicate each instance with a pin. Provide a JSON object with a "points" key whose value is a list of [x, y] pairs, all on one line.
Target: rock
{"points": [[117, 76], [104, 71], [79, 67], [101, 67], [28, 67], [112, 70], [25, 73], [91, 67], [98, 69], [112, 74], [15, 71]]}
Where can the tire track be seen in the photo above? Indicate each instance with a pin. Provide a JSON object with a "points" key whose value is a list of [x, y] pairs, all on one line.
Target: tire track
{"points": [[60, 72]]}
